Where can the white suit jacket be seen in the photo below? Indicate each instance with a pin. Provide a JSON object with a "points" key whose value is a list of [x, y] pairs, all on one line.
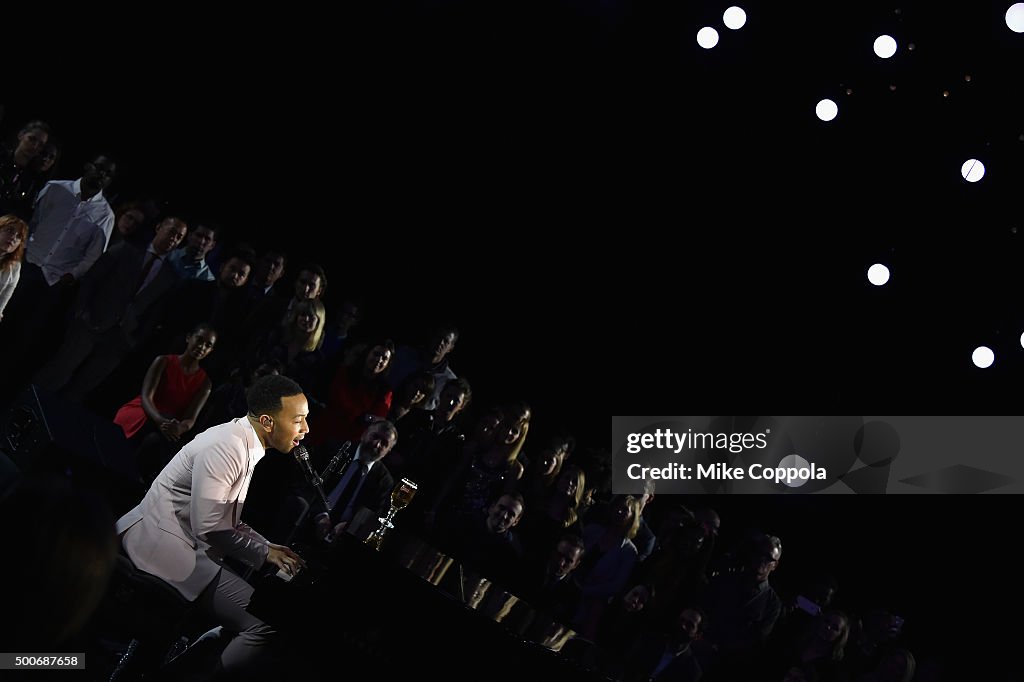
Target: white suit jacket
{"points": [[189, 519]]}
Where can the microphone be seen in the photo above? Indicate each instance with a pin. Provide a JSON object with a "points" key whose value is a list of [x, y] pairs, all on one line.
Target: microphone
{"points": [[336, 460], [302, 457]]}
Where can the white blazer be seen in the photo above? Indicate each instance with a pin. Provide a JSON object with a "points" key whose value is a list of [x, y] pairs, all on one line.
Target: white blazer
{"points": [[189, 519]]}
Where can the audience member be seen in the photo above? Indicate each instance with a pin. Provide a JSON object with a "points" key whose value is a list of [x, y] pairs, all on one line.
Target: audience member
{"points": [[432, 357], [190, 259], [18, 175], [358, 393], [118, 307], [13, 235], [173, 393]]}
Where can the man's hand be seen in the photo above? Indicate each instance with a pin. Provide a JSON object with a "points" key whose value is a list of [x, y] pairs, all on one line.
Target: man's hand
{"points": [[285, 558], [323, 527], [338, 530]]}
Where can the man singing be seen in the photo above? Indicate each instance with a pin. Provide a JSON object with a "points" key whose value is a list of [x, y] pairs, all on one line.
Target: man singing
{"points": [[189, 519]]}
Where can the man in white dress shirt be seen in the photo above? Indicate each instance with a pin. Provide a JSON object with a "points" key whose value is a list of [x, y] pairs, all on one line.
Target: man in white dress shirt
{"points": [[69, 231], [71, 224]]}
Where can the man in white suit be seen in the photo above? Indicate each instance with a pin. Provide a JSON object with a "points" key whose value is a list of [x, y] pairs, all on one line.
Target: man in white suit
{"points": [[189, 519]]}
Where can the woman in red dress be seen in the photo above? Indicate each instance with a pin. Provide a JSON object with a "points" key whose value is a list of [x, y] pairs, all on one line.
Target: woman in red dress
{"points": [[358, 394], [173, 392]]}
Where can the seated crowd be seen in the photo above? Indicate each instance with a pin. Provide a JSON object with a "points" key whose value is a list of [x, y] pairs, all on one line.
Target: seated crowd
{"points": [[126, 312]]}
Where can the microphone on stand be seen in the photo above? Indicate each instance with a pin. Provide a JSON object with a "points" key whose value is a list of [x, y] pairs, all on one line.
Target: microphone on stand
{"points": [[302, 457], [336, 460]]}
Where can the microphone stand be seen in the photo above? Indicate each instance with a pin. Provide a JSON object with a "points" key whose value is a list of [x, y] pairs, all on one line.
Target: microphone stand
{"points": [[317, 480], [333, 464], [302, 455]]}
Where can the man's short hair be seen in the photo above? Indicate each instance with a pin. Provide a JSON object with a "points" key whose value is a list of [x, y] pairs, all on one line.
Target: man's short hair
{"points": [[102, 155], [377, 424], [703, 617], [41, 126], [319, 271], [242, 252], [514, 494], [574, 540], [459, 384], [216, 228], [440, 331], [264, 396], [274, 255]]}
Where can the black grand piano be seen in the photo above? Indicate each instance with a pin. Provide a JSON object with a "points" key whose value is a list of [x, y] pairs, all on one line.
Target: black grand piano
{"points": [[408, 610]]}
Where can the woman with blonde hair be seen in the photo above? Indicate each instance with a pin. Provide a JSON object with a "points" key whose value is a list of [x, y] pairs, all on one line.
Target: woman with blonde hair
{"points": [[296, 345], [304, 328], [13, 236]]}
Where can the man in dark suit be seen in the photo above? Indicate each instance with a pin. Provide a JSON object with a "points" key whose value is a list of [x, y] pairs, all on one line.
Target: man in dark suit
{"points": [[265, 273], [118, 306], [554, 590], [361, 481], [486, 542], [222, 302], [669, 657]]}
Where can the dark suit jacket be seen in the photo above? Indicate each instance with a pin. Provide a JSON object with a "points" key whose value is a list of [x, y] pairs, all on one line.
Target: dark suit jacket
{"points": [[262, 318], [108, 298], [278, 479], [643, 661], [560, 599], [374, 495], [207, 302], [225, 309], [497, 557]]}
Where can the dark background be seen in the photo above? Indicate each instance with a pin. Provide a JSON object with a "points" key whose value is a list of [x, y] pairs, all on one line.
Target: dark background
{"points": [[624, 223], [944, 563], [598, 201]]}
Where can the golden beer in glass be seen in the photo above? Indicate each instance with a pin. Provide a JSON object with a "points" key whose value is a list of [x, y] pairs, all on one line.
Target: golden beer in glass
{"points": [[401, 496], [403, 493]]}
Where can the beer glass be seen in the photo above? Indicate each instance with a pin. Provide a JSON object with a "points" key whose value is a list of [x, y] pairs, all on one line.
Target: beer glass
{"points": [[401, 496]]}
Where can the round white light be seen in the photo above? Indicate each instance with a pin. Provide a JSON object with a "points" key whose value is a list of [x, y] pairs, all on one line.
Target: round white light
{"points": [[794, 461], [734, 17], [1022, 340], [826, 110], [983, 357], [885, 46], [707, 37], [1015, 17], [878, 274], [972, 170]]}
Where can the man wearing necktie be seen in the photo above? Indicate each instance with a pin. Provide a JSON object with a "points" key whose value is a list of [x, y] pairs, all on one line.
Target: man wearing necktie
{"points": [[363, 482], [119, 304]]}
